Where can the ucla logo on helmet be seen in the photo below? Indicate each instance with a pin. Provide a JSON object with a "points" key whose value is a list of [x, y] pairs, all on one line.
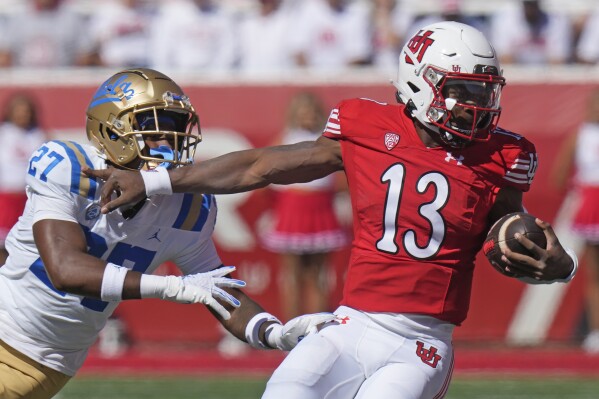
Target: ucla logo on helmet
{"points": [[113, 92]]}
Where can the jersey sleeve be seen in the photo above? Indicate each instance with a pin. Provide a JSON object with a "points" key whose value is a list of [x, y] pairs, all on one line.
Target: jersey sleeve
{"points": [[347, 119], [516, 162], [55, 181], [332, 129]]}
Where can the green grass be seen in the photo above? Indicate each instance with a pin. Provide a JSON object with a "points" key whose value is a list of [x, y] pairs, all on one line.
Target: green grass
{"points": [[163, 388], [250, 388]]}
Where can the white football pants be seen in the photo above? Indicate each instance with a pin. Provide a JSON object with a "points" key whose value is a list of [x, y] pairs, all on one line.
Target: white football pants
{"points": [[368, 356]]}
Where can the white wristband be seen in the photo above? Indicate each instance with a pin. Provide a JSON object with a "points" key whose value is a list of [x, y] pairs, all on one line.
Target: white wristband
{"points": [[572, 255], [271, 334], [113, 282], [163, 287], [253, 327], [157, 181]]}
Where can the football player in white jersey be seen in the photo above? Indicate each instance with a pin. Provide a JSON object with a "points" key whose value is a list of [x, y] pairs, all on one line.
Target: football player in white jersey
{"points": [[70, 265]]}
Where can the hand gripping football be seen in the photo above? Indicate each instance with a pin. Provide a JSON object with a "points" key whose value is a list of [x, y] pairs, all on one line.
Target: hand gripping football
{"points": [[501, 235]]}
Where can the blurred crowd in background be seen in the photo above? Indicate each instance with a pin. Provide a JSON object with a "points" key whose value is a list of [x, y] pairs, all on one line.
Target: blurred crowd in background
{"points": [[272, 36]]}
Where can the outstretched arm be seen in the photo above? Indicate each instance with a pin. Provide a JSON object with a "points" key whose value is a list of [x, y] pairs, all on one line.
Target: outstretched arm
{"points": [[231, 173], [261, 330], [251, 169]]}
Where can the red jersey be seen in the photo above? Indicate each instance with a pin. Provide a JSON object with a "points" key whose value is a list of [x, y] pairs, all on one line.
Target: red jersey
{"points": [[420, 214]]}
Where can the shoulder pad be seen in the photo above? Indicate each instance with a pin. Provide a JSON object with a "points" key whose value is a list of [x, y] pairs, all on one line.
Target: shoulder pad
{"points": [[350, 110], [519, 157], [56, 166]]}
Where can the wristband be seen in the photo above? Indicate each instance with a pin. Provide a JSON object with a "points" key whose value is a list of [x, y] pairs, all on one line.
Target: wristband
{"points": [[157, 181], [253, 327], [572, 255], [271, 334], [163, 287], [113, 282]]}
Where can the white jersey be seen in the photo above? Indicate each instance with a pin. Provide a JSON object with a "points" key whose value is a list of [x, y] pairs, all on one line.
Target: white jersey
{"points": [[56, 328]]}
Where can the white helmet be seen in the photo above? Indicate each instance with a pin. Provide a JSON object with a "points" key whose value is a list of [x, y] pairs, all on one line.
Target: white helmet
{"points": [[450, 80]]}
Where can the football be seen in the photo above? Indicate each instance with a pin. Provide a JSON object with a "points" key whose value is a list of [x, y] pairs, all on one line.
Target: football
{"points": [[501, 235]]}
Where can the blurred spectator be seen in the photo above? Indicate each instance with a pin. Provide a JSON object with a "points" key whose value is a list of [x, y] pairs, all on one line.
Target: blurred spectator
{"points": [[451, 10], [20, 136], [264, 39], [306, 228], [581, 153], [331, 34], [120, 31], [390, 22], [587, 50], [45, 34], [192, 35], [527, 34]]}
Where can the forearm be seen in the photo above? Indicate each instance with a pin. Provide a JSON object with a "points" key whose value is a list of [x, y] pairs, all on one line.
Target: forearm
{"points": [[241, 316], [230, 173], [250, 169], [85, 275]]}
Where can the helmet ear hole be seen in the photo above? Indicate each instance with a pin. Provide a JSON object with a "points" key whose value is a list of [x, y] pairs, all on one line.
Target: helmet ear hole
{"points": [[398, 97], [112, 135], [414, 88]]}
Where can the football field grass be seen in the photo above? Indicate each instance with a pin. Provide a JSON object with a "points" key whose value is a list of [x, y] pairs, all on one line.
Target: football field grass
{"points": [[201, 387]]}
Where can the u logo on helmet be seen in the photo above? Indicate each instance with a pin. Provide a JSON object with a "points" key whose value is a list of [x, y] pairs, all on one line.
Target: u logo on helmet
{"points": [[419, 44]]}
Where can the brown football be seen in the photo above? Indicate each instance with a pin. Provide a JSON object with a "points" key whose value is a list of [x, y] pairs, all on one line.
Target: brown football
{"points": [[501, 235]]}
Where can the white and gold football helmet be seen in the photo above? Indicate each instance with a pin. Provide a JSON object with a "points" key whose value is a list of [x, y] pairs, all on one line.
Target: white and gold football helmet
{"points": [[141, 104]]}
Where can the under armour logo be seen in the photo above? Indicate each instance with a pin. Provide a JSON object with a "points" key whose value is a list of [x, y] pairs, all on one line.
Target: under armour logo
{"points": [[391, 140], [428, 356], [458, 160], [342, 320], [155, 236]]}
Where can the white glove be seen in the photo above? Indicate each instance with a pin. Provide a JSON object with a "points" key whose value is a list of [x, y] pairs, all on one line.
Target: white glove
{"points": [[194, 288], [286, 337]]}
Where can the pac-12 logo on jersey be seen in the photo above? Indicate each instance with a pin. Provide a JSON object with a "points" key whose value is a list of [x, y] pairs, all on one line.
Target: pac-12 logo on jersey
{"points": [[391, 140]]}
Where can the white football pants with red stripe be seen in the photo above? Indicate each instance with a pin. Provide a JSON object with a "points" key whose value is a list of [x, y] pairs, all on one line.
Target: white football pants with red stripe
{"points": [[368, 355]]}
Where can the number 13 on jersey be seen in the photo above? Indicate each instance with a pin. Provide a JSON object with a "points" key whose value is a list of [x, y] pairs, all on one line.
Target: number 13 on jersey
{"points": [[394, 178]]}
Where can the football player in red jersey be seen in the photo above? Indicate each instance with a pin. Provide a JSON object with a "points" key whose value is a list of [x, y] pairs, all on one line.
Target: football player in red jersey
{"points": [[427, 179]]}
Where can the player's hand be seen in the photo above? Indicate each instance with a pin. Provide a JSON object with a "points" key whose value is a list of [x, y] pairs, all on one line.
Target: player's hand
{"points": [[546, 265], [286, 337], [205, 288], [126, 185]]}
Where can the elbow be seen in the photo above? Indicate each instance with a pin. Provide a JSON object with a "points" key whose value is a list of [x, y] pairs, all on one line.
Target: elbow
{"points": [[59, 279]]}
